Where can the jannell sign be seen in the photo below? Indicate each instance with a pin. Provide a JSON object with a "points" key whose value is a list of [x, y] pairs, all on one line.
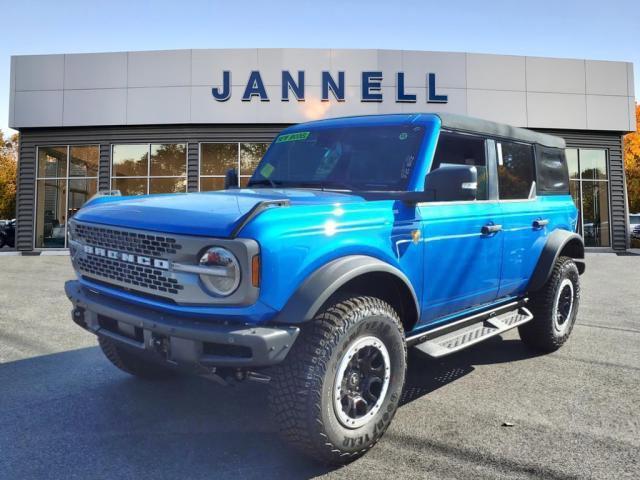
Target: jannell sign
{"points": [[371, 88]]}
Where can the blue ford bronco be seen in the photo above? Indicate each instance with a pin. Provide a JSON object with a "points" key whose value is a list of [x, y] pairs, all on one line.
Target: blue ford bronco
{"points": [[355, 239]]}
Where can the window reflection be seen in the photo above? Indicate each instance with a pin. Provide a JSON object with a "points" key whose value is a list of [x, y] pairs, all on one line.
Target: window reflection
{"points": [[84, 161], [217, 158], [52, 162], [572, 163], [130, 160], [50, 215], [80, 190], [595, 206], [593, 164], [250, 156], [130, 186], [168, 159], [167, 185], [208, 184]]}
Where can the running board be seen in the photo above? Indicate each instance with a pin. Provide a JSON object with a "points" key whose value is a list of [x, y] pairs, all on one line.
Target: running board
{"points": [[450, 341]]}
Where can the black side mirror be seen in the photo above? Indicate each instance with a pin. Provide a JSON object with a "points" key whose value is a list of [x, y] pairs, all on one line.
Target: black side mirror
{"points": [[451, 182], [231, 179]]}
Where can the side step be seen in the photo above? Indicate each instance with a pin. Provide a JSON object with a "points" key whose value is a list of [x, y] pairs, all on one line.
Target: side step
{"points": [[470, 334]]}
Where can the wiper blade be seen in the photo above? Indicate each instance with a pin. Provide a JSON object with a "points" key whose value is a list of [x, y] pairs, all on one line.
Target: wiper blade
{"points": [[263, 181]]}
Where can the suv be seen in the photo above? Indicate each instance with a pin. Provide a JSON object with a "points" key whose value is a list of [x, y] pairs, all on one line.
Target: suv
{"points": [[355, 239]]}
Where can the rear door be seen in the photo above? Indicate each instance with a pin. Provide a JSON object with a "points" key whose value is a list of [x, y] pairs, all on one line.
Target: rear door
{"points": [[461, 263], [524, 217]]}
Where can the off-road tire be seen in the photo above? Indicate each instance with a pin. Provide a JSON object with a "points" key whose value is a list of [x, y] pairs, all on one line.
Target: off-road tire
{"points": [[133, 364], [543, 333], [302, 389]]}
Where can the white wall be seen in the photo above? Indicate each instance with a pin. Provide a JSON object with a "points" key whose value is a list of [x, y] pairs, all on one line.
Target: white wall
{"points": [[158, 87]]}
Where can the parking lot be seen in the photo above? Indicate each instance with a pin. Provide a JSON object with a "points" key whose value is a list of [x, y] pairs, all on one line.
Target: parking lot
{"points": [[65, 412]]}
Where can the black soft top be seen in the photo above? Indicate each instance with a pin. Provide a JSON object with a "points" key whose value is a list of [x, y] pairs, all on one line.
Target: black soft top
{"points": [[451, 121]]}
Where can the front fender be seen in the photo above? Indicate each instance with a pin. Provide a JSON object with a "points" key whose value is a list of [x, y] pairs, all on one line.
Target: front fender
{"points": [[325, 281]]}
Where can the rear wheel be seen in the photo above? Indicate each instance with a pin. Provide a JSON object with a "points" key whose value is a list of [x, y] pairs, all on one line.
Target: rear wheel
{"points": [[339, 387], [133, 364], [554, 308]]}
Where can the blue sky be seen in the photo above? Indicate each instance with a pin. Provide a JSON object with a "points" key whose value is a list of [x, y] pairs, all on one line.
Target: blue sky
{"points": [[604, 30]]}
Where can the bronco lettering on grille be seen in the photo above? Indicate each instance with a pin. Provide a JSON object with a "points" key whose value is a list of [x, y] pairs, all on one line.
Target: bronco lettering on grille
{"points": [[127, 257]]}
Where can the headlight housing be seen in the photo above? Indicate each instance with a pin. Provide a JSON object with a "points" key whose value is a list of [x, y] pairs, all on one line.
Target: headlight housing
{"points": [[220, 271]]}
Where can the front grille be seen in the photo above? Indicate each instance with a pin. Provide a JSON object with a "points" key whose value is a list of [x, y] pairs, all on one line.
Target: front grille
{"points": [[124, 241], [134, 275]]}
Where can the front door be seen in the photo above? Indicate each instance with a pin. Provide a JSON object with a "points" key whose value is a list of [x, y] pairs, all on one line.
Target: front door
{"points": [[462, 240]]}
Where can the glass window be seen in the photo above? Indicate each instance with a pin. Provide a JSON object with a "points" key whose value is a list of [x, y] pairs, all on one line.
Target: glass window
{"points": [[130, 186], [595, 213], [593, 164], [52, 162], [84, 161], [572, 163], [552, 176], [80, 190], [217, 158], [51, 213], [67, 178], [464, 150], [363, 158], [168, 185], [168, 159], [208, 184], [515, 170], [250, 156], [130, 160], [149, 168]]}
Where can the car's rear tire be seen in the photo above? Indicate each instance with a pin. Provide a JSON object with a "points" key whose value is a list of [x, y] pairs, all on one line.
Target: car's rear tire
{"points": [[133, 364], [554, 308], [338, 389]]}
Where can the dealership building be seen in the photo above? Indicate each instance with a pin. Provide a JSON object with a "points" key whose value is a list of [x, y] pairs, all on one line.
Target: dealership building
{"points": [[175, 121]]}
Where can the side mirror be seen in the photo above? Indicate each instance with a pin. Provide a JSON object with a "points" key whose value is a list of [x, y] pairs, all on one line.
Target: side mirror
{"points": [[231, 179], [452, 182]]}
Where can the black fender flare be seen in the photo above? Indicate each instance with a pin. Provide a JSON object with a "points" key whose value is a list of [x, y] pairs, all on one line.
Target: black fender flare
{"points": [[556, 242], [325, 281]]}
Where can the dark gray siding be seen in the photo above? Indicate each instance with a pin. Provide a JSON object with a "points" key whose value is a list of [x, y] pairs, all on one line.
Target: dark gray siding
{"points": [[612, 141], [105, 136], [193, 134]]}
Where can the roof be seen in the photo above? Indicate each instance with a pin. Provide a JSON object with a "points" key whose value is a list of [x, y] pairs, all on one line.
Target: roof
{"points": [[494, 129], [449, 121]]}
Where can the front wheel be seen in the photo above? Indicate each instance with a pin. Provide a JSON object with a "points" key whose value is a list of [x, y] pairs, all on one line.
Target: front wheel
{"points": [[339, 387], [554, 308]]}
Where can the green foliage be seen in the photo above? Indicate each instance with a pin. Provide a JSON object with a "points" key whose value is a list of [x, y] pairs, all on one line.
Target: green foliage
{"points": [[8, 176]]}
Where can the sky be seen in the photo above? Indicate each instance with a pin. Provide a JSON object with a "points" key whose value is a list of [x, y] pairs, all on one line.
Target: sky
{"points": [[602, 30]]}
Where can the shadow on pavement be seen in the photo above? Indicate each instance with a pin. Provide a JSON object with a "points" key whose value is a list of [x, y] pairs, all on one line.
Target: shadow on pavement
{"points": [[74, 415]]}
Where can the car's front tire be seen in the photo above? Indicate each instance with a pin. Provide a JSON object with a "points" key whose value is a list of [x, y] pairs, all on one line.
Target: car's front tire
{"points": [[133, 364], [338, 389], [554, 308]]}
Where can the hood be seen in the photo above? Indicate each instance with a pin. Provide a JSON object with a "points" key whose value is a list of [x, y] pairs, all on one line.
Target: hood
{"points": [[213, 214]]}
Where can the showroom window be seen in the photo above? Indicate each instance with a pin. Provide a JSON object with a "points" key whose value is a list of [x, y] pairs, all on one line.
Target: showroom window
{"points": [[589, 186], [217, 158], [138, 169], [67, 177]]}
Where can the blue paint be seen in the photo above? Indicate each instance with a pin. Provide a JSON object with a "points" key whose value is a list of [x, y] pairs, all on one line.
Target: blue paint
{"points": [[402, 96], [452, 267], [433, 96]]}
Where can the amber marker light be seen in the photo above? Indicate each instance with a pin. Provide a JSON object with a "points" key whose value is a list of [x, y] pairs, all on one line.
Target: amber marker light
{"points": [[255, 271]]}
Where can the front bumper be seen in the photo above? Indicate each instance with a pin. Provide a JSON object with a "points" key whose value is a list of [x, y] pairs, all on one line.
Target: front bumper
{"points": [[192, 344]]}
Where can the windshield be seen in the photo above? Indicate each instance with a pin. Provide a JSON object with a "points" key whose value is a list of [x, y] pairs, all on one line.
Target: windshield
{"points": [[354, 158]]}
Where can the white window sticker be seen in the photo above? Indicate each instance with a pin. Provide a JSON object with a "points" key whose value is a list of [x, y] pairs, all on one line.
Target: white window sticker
{"points": [[500, 161]]}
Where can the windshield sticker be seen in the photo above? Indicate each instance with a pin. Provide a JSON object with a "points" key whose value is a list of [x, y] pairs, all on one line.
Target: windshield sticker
{"points": [[267, 170], [293, 137], [403, 136]]}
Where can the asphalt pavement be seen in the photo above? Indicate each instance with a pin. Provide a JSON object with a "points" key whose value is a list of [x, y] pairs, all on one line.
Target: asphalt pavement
{"points": [[496, 410]]}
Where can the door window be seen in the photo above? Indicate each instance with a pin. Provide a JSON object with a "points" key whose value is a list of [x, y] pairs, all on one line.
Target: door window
{"points": [[515, 170], [460, 149]]}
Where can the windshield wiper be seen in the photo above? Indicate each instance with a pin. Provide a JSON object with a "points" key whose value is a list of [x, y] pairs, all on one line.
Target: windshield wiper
{"points": [[263, 181]]}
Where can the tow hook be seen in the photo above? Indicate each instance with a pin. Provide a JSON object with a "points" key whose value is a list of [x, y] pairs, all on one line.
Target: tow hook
{"points": [[241, 375], [160, 345]]}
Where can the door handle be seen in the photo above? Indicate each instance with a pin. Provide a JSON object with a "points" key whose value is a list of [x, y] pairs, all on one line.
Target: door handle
{"points": [[491, 228], [539, 223]]}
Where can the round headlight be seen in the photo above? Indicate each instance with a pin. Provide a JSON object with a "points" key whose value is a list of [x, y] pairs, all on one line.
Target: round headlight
{"points": [[223, 277]]}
